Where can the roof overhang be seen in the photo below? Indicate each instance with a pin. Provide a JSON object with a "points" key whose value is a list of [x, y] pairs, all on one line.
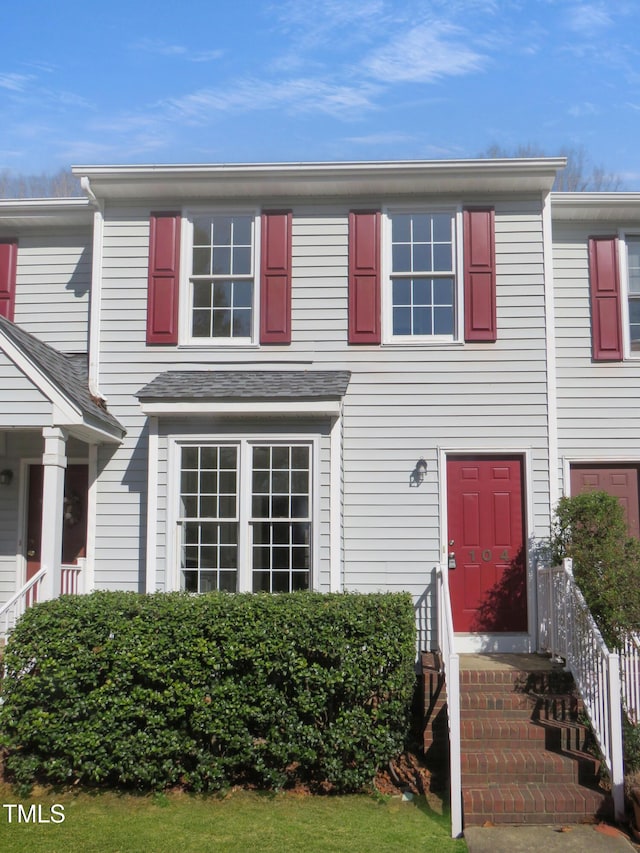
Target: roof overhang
{"points": [[65, 413], [317, 180], [48, 212], [620, 207]]}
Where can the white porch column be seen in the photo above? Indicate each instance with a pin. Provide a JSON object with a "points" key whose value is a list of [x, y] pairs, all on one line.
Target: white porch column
{"points": [[54, 461]]}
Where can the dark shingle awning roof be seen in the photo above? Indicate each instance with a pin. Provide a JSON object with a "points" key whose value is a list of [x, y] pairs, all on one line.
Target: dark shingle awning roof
{"points": [[280, 385]]}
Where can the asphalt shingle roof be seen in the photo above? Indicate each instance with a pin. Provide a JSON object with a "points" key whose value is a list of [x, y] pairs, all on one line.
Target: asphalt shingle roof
{"points": [[68, 372], [247, 384]]}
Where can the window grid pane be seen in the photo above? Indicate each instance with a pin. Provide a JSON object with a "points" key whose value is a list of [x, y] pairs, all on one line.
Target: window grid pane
{"points": [[222, 277], [423, 306], [422, 242], [209, 518], [280, 517]]}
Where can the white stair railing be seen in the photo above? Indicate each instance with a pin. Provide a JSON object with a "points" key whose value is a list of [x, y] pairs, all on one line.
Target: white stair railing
{"points": [[13, 609], [71, 583], [630, 675], [451, 666], [567, 630]]}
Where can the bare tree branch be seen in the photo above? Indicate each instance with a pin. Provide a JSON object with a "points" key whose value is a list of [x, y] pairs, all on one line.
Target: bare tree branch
{"points": [[62, 184], [579, 175]]}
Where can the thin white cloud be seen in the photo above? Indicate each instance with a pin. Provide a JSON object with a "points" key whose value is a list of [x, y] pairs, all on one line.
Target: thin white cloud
{"points": [[294, 95], [15, 82], [588, 19], [426, 53], [159, 47], [382, 138], [584, 109]]}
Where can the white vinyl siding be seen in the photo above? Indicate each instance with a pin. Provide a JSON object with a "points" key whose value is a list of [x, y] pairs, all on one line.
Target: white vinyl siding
{"points": [[403, 402], [598, 408], [25, 405], [53, 282]]}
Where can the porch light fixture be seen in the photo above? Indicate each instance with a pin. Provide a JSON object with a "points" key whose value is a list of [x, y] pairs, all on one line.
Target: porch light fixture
{"points": [[416, 477], [6, 477]]}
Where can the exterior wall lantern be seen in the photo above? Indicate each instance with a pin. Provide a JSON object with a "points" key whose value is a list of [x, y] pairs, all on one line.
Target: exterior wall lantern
{"points": [[416, 477], [6, 477]]}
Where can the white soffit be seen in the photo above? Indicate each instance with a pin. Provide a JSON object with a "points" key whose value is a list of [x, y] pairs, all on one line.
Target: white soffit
{"points": [[36, 212], [315, 180], [596, 207]]}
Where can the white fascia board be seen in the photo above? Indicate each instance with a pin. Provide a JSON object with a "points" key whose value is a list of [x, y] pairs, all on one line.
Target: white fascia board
{"points": [[289, 180], [596, 207], [30, 212], [62, 407], [320, 408]]}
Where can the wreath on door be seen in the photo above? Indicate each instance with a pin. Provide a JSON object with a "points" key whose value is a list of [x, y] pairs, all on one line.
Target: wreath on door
{"points": [[72, 509]]}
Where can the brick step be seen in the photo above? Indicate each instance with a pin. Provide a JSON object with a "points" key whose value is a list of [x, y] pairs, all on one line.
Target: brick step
{"points": [[534, 803], [514, 733], [495, 700], [516, 681], [527, 765]]}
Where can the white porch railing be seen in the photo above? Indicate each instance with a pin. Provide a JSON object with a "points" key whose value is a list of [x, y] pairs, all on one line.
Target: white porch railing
{"points": [[630, 676], [71, 578], [567, 630], [451, 665], [71, 583]]}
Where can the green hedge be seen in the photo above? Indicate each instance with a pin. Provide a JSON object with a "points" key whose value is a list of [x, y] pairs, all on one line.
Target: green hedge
{"points": [[148, 692]]}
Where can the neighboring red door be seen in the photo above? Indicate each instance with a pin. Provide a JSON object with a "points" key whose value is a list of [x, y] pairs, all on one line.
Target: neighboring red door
{"points": [[34, 520], [621, 481], [485, 509], [74, 531]]}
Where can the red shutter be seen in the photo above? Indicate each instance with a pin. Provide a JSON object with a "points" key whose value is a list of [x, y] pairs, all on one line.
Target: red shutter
{"points": [[364, 277], [164, 278], [275, 278], [606, 323], [480, 322], [8, 262]]}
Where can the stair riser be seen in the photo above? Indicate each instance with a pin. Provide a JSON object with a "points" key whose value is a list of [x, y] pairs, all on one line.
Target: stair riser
{"points": [[513, 734], [533, 803]]}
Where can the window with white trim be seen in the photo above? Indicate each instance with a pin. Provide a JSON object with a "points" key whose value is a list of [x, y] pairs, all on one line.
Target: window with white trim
{"points": [[221, 277], [260, 540], [422, 281], [633, 291]]}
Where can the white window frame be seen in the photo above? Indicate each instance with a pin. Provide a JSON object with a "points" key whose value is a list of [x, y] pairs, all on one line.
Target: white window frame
{"points": [[455, 211], [245, 443], [623, 264], [186, 285]]}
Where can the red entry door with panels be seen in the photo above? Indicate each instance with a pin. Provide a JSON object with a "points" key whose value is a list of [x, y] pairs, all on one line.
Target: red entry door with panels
{"points": [[487, 565]]}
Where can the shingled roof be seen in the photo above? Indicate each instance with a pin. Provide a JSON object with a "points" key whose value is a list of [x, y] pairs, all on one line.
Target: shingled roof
{"points": [[67, 372], [247, 384]]}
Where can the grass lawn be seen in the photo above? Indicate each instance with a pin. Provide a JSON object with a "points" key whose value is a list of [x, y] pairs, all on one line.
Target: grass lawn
{"points": [[241, 821]]}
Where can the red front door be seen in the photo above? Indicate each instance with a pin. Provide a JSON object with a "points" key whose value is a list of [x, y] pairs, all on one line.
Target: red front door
{"points": [[74, 531], [486, 540]]}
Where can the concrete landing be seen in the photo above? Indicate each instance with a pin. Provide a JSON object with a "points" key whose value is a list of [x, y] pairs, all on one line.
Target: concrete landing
{"points": [[599, 838]]}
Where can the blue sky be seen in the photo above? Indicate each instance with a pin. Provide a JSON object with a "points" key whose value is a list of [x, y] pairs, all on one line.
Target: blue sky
{"points": [[254, 81]]}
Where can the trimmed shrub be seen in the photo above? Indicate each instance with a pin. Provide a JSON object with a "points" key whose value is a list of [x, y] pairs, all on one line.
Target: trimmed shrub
{"points": [[152, 691], [590, 528]]}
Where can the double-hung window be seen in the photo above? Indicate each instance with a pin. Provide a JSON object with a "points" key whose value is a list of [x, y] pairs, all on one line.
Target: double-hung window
{"points": [[222, 278], [421, 301], [633, 291], [245, 516]]}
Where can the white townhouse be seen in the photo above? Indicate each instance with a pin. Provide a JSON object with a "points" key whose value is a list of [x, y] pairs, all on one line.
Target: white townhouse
{"points": [[328, 376]]}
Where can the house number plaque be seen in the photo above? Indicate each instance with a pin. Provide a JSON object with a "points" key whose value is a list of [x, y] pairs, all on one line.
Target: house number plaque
{"points": [[487, 555]]}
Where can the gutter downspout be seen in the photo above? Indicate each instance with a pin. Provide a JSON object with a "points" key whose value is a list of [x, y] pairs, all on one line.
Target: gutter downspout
{"points": [[96, 289], [552, 378]]}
